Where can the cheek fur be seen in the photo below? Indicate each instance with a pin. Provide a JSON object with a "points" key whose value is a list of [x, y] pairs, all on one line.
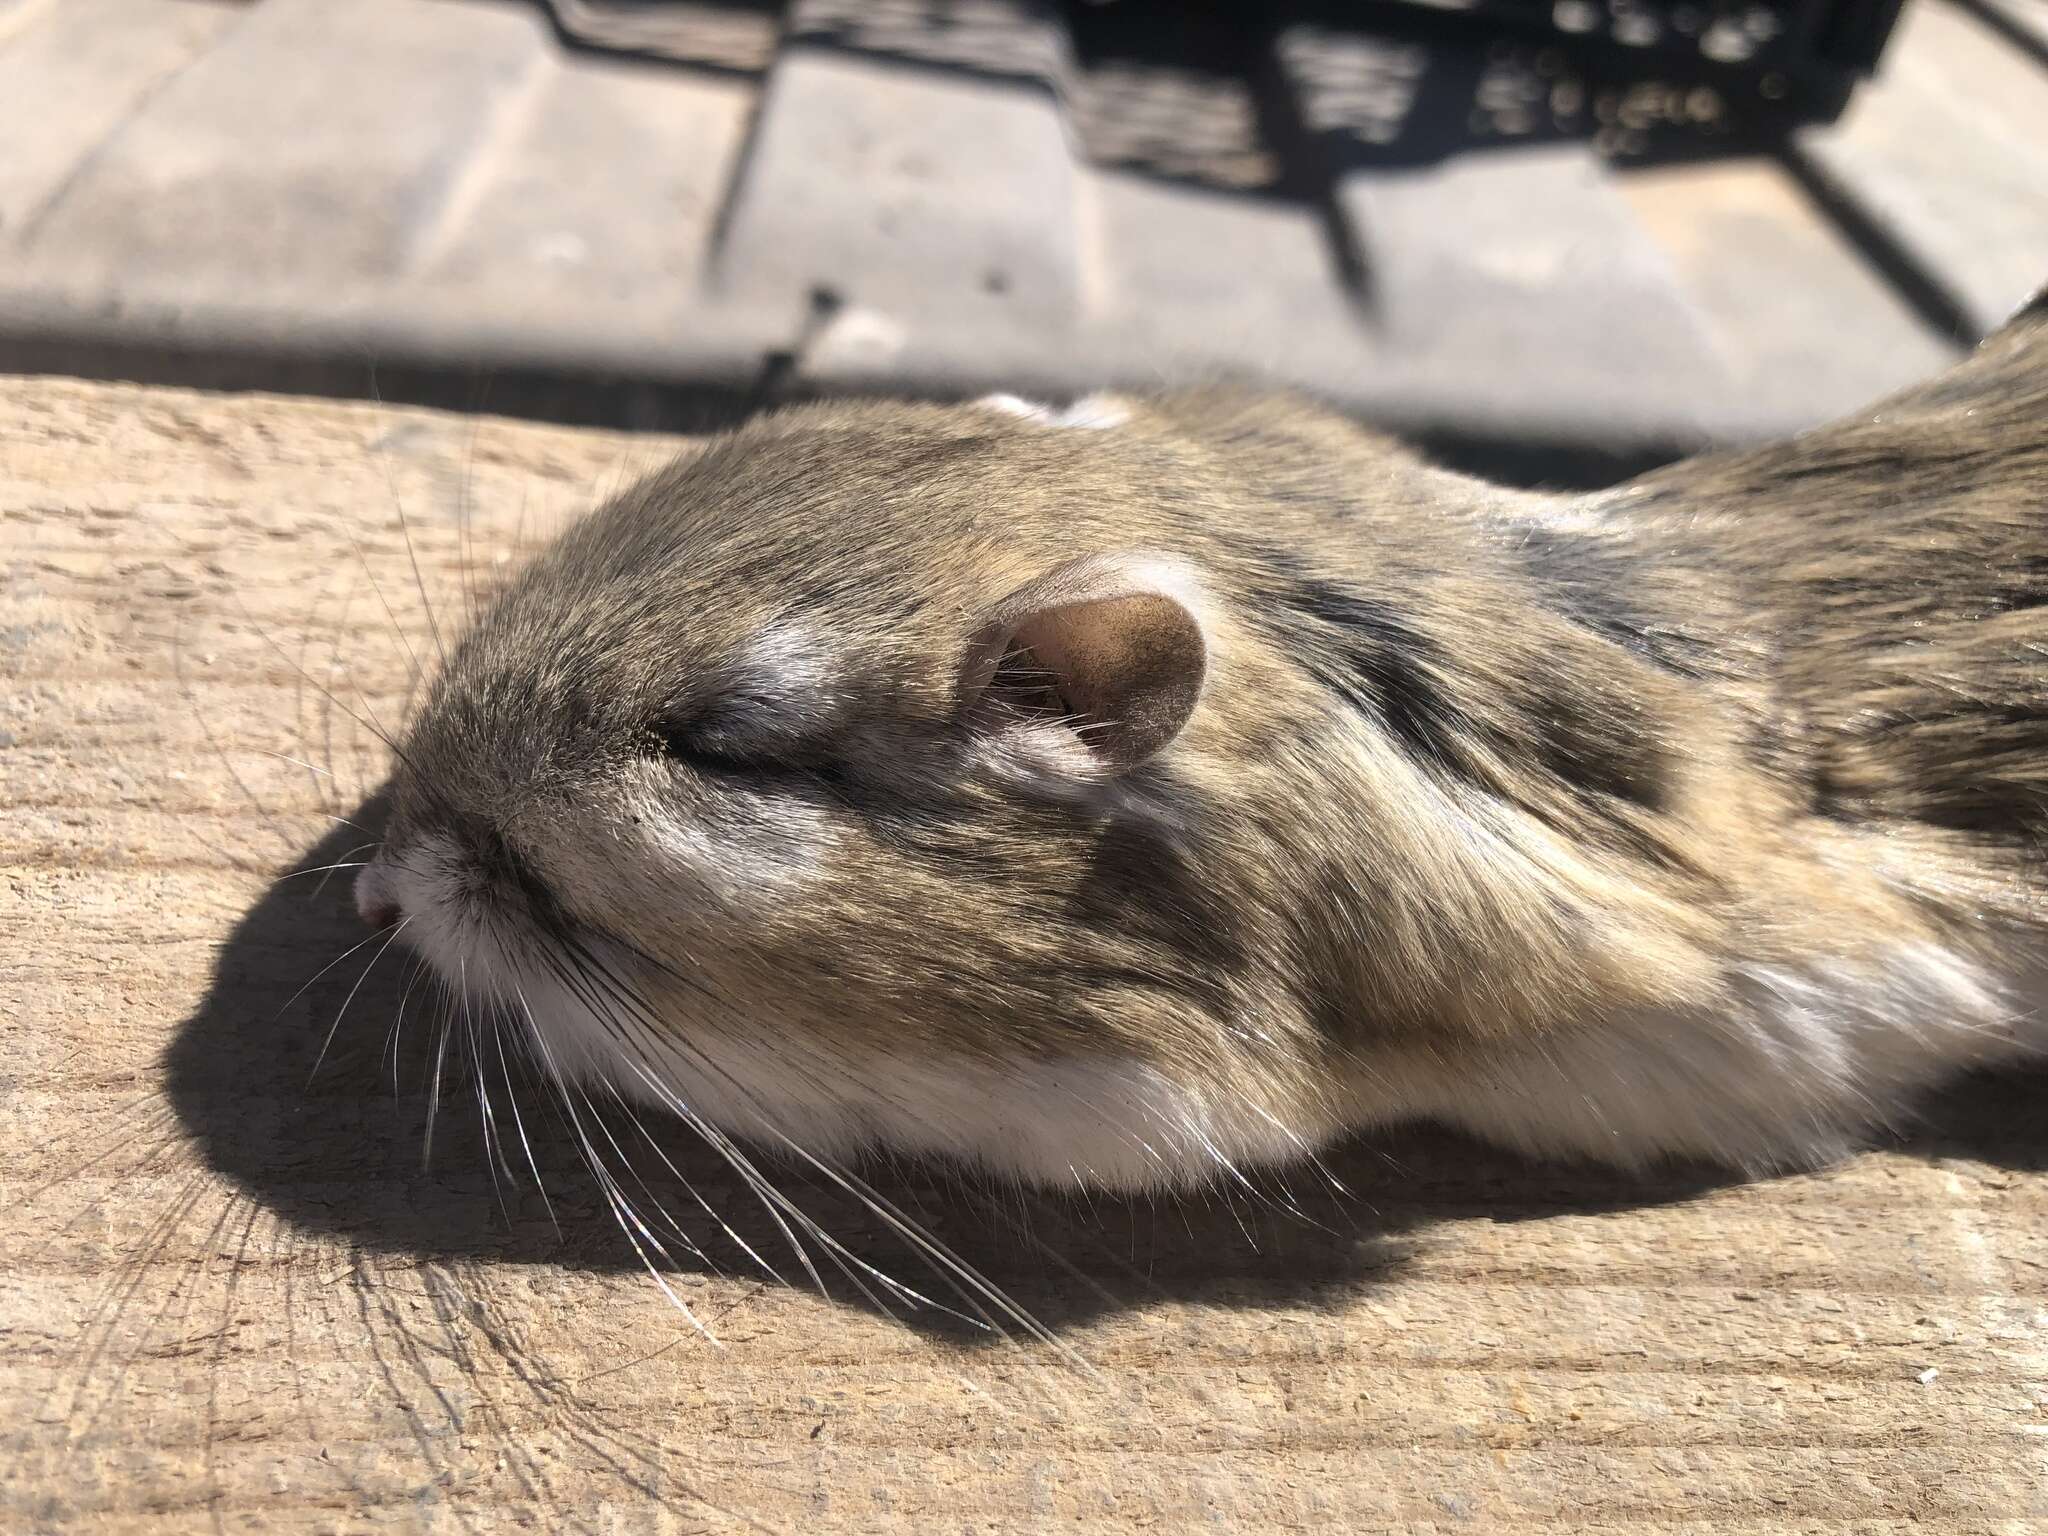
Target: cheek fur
{"points": [[739, 844], [660, 863]]}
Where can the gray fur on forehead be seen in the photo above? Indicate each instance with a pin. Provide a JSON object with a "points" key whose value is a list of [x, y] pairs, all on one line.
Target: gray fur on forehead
{"points": [[854, 545], [849, 493]]}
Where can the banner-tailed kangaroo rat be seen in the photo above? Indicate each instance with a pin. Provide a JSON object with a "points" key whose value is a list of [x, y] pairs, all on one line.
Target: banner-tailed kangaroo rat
{"points": [[1124, 794]]}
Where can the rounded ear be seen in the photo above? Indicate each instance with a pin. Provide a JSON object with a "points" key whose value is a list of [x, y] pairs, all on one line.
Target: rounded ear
{"points": [[1109, 650]]}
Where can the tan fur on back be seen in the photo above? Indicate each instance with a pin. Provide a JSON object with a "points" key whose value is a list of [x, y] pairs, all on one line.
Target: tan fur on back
{"points": [[1697, 816]]}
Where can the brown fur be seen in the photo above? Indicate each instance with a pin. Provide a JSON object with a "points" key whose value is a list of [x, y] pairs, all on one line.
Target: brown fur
{"points": [[1470, 768]]}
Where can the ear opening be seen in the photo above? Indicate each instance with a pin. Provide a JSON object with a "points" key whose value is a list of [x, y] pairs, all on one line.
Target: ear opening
{"points": [[1106, 657]]}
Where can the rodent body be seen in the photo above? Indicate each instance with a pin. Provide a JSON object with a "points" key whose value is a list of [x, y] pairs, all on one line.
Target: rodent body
{"points": [[1129, 795]]}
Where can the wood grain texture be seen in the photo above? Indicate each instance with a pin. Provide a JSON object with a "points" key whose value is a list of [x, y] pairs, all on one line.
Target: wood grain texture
{"points": [[232, 1299]]}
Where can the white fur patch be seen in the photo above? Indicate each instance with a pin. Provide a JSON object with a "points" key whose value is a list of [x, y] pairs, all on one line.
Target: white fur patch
{"points": [[775, 852], [789, 658], [1112, 1124], [1090, 413], [1800, 1061]]}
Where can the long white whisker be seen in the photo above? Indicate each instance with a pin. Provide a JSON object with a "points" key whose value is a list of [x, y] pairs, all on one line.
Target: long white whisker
{"points": [[628, 1219], [755, 1182], [296, 762], [519, 1123], [390, 938], [957, 1271], [330, 965], [419, 970], [773, 1200], [494, 1156], [434, 1093], [702, 1204], [405, 527]]}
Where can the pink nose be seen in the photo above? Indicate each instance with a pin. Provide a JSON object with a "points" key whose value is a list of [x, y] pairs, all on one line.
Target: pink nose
{"points": [[376, 903]]}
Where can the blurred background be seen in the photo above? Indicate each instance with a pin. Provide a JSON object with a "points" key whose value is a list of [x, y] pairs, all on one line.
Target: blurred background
{"points": [[1555, 239]]}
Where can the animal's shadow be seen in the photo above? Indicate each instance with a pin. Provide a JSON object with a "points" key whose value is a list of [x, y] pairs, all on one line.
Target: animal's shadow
{"points": [[338, 1151]]}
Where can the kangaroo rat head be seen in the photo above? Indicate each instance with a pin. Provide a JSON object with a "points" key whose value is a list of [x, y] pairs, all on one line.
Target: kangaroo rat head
{"points": [[1118, 796], [836, 784]]}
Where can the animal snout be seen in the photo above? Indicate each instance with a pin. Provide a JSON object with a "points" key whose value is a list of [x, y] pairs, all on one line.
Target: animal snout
{"points": [[377, 902]]}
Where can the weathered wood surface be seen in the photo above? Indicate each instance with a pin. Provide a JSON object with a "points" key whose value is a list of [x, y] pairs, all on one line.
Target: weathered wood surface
{"points": [[230, 1299]]}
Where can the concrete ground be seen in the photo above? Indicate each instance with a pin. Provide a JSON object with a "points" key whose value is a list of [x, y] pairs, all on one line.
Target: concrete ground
{"points": [[1462, 234], [230, 1300]]}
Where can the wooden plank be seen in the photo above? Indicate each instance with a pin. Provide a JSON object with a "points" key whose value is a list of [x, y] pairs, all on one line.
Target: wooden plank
{"points": [[230, 1297]]}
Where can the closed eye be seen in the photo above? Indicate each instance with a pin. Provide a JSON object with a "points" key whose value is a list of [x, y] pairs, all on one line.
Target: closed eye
{"points": [[697, 749], [708, 743]]}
